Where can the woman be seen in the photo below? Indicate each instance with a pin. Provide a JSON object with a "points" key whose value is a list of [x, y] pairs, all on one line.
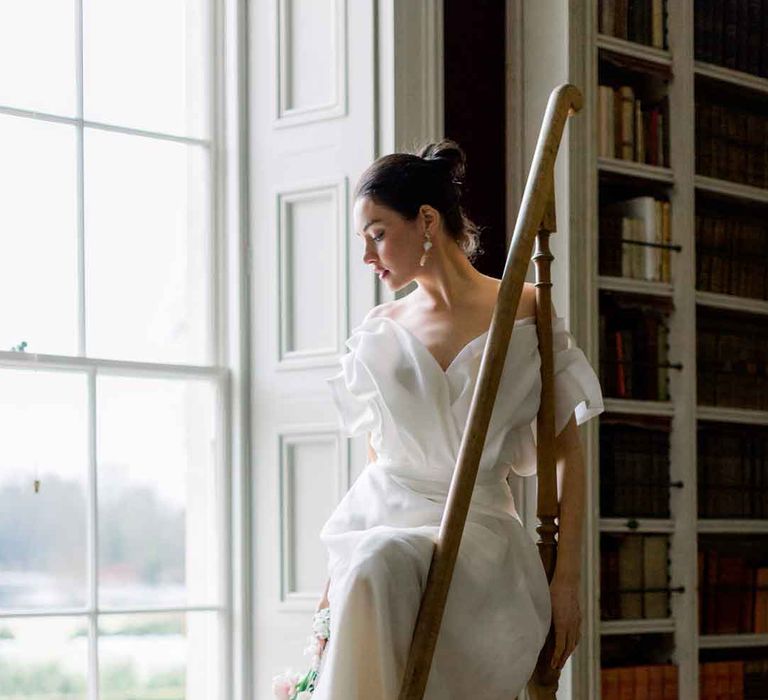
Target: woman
{"points": [[407, 381]]}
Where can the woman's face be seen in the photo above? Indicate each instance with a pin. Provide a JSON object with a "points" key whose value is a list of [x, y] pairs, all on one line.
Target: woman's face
{"points": [[392, 245]]}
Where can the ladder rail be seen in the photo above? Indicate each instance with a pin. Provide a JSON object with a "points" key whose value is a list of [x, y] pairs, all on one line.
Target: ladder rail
{"points": [[535, 221]]}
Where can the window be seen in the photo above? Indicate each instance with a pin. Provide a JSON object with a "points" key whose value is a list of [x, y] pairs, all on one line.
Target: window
{"points": [[113, 500]]}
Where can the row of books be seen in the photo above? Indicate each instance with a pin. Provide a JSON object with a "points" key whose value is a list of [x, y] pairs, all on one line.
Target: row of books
{"points": [[732, 471], [632, 129], [732, 33], [634, 576], [634, 242], [731, 255], [718, 680], [646, 682], [633, 353], [733, 593], [730, 143], [732, 361], [733, 680], [635, 239], [732, 479], [634, 468], [642, 21]]}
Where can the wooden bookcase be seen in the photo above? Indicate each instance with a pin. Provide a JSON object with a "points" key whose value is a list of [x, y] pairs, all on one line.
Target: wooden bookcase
{"points": [[676, 73]]}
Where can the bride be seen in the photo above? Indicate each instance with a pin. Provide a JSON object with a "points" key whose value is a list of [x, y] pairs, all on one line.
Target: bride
{"points": [[407, 381]]}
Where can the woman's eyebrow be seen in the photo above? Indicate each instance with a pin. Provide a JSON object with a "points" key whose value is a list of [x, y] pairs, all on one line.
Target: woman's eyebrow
{"points": [[370, 223]]}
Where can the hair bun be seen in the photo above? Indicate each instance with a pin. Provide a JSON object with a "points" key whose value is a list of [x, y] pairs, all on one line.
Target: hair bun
{"points": [[432, 174], [449, 155]]}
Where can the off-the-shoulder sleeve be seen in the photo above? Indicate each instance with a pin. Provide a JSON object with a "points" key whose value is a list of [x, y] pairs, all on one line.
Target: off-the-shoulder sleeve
{"points": [[577, 392], [577, 388], [353, 392]]}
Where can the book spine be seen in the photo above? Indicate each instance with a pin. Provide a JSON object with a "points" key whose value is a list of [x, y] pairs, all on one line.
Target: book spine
{"points": [[670, 682], [761, 600], [702, 29], [631, 576], [609, 684], [666, 238], [656, 682], [730, 33], [626, 683]]}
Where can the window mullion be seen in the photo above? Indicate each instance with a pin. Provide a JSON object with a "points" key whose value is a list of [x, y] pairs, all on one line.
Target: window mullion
{"points": [[93, 541], [92, 517], [80, 177]]}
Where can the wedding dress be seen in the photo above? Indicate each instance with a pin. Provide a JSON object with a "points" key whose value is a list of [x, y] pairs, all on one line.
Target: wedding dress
{"points": [[381, 535]]}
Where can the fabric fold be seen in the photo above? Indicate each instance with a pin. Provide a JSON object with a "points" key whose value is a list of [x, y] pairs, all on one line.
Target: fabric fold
{"points": [[354, 395]]}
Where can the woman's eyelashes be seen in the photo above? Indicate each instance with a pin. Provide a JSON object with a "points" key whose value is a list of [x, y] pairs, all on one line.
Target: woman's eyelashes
{"points": [[375, 239]]}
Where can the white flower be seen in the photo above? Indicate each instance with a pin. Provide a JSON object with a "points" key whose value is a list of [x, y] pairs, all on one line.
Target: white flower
{"points": [[314, 655], [284, 685], [321, 623]]}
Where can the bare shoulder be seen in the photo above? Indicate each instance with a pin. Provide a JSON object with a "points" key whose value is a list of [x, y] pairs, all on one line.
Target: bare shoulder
{"points": [[528, 301], [384, 309], [527, 306]]}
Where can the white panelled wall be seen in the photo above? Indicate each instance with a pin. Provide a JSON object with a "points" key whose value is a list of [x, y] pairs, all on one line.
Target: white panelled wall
{"points": [[311, 108]]}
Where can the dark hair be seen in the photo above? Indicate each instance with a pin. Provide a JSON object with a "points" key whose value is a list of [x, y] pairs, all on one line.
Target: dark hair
{"points": [[434, 176]]}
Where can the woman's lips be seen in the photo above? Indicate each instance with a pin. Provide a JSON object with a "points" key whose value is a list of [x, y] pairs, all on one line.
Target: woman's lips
{"points": [[382, 273]]}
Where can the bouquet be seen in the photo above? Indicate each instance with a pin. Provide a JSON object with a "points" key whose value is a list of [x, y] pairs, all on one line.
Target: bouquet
{"points": [[293, 686]]}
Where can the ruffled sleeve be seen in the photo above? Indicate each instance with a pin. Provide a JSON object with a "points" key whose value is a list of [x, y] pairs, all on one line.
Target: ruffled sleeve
{"points": [[353, 392], [577, 392], [577, 388]]}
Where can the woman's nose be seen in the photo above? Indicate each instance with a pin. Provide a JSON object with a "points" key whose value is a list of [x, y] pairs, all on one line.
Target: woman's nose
{"points": [[368, 256]]}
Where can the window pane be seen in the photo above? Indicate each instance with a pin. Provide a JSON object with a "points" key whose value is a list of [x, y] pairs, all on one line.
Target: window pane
{"points": [[42, 658], [43, 534], [38, 236], [146, 231], [145, 64], [158, 492], [37, 52], [163, 655]]}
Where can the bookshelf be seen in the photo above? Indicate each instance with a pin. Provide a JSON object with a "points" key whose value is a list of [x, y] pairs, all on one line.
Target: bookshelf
{"points": [[677, 95]]}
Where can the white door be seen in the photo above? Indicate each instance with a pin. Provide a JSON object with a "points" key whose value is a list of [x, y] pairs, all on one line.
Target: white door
{"points": [[311, 104], [331, 85]]}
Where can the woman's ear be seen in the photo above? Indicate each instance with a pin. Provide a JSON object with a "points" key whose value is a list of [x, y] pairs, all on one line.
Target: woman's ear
{"points": [[431, 217]]}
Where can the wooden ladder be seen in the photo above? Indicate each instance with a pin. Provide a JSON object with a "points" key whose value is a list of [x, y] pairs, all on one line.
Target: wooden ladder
{"points": [[536, 220]]}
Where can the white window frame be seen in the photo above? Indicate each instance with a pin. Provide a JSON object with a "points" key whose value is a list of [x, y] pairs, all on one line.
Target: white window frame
{"points": [[231, 168], [229, 347]]}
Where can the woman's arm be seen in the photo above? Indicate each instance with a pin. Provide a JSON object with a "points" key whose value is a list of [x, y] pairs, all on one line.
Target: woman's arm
{"points": [[564, 587], [371, 452], [324, 600], [569, 458]]}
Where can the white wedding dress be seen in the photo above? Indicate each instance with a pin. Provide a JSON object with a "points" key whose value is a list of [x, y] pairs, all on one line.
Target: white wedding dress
{"points": [[381, 535]]}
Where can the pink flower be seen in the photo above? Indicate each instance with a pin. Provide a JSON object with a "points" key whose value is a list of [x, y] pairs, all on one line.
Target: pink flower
{"points": [[284, 685]]}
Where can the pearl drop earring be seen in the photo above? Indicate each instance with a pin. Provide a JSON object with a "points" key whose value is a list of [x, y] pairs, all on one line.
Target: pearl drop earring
{"points": [[427, 246]]}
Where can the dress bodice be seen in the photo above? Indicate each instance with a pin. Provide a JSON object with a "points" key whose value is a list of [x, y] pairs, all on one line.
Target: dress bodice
{"points": [[392, 386]]}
